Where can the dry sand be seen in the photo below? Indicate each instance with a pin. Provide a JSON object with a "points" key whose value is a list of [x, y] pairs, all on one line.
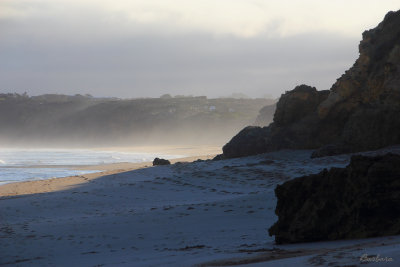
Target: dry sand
{"points": [[212, 213], [57, 184]]}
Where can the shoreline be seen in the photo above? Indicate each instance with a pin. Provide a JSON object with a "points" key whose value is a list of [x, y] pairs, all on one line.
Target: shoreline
{"points": [[210, 213], [68, 182]]}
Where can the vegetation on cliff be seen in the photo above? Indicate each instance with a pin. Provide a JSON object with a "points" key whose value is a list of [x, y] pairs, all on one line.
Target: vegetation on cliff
{"points": [[86, 120]]}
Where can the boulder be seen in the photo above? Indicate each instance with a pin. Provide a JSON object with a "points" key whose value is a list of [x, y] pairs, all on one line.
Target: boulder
{"points": [[297, 104], [219, 157], [331, 150], [359, 201], [294, 119], [158, 161], [249, 141]]}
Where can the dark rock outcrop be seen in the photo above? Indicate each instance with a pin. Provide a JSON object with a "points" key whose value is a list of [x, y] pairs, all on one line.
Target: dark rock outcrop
{"points": [[294, 122], [331, 150], [358, 113], [158, 161], [359, 201], [219, 157], [298, 104], [249, 141]]}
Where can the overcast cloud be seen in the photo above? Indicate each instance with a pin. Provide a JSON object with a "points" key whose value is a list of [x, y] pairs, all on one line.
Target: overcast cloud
{"points": [[148, 48]]}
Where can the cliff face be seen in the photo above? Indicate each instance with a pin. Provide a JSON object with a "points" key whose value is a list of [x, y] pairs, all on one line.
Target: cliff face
{"points": [[366, 98], [358, 113], [295, 120], [359, 201]]}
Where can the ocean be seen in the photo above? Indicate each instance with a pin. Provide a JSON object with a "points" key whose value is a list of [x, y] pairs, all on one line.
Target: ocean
{"points": [[18, 165]]}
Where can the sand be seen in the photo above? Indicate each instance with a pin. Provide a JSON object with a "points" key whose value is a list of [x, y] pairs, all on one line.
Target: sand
{"points": [[64, 183], [210, 213]]}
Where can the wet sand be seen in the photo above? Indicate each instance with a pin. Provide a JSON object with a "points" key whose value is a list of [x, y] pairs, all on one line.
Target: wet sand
{"points": [[64, 183], [192, 153]]}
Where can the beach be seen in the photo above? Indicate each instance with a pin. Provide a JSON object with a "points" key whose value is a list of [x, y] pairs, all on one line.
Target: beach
{"points": [[200, 133], [98, 170], [203, 213]]}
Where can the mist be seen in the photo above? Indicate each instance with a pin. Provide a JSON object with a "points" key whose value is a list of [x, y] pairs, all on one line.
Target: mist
{"points": [[145, 49], [86, 121]]}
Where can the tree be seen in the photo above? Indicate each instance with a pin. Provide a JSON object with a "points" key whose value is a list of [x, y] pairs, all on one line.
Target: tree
{"points": [[166, 96]]}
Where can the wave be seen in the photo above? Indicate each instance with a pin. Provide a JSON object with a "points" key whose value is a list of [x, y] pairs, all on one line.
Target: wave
{"points": [[73, 157], [37, 164]]}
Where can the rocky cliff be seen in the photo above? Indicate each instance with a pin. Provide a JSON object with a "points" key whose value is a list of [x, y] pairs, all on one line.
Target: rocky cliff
{"points": [[361, 200], [358, 113]]}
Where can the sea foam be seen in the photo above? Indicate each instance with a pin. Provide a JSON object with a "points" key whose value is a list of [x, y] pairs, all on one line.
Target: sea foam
{"points": [[18, 165]]}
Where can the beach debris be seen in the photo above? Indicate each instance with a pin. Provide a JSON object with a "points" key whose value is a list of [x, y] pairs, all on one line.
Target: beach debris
{"points": [[158, 161]]}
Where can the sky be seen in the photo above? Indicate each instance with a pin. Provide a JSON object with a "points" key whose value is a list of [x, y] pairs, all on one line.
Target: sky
{"points": [[146, 48]]}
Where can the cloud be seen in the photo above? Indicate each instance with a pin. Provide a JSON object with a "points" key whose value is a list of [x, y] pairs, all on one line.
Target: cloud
{"points": [[241, 18], [149, 47], [197, 64]]}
